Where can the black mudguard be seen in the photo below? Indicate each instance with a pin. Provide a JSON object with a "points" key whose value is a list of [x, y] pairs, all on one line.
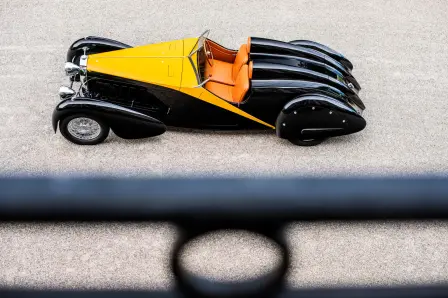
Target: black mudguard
{"points": [[324, 49], [306, 63], [276, 71], [317, 117], [124, 122], [93, 45], [269, 46]]}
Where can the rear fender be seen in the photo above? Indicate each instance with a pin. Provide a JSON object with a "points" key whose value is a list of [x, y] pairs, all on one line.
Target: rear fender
{"points": [[306, 63], [275, 70], [124, 122], [324, 49], [269, 46], [317, 116]]}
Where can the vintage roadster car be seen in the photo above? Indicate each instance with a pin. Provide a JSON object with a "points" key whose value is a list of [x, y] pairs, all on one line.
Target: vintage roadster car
{"points": [[302, 90]]}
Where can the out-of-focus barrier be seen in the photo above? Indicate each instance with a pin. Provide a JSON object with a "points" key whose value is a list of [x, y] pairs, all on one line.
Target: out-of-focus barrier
{"points": [[199, 206]]}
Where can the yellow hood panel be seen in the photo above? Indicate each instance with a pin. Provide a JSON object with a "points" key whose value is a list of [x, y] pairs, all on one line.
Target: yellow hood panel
{"points": [[159, 64], [173, 48], [190, 44]]}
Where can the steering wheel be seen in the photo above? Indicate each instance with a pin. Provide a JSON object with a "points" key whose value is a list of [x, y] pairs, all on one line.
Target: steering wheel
{"points": [[209, 54]]}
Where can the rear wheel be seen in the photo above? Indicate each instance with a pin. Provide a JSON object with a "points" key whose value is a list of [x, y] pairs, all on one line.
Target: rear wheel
{"points": [[308, 143], [84, 129]]}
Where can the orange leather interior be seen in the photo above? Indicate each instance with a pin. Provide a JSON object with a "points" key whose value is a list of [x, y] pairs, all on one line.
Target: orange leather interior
{"points": [[241, 58], [220, 72], [241, 84], [230, 74], [221, 53], [230, 93], [251, 69], [226, 72]]}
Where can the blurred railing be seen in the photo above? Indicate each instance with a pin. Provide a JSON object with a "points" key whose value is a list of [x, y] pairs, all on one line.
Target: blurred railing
{"points": [[198, 206]]}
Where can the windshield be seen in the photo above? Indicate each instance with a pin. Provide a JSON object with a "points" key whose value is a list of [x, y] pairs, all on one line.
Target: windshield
{"points": [[198, 54]]}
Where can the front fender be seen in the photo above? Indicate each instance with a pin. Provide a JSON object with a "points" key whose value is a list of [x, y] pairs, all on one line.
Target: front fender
{"points": [[317, 116], [93, 44], [125, 123]]}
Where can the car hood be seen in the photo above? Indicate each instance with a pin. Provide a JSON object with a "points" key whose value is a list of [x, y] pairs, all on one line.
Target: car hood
{"points": [[159, 64]]}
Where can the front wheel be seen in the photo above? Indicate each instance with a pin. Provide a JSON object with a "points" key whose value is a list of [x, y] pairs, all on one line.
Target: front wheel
{"points": [[308, 143], [84, 129]]}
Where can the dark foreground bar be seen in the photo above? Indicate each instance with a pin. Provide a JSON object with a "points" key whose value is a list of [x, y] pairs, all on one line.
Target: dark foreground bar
{"points": [[199, 206], [208, 199], [402, 292]]}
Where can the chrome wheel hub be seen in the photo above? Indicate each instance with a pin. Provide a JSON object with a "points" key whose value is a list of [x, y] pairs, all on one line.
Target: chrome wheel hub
{"points": [[84, 128]]}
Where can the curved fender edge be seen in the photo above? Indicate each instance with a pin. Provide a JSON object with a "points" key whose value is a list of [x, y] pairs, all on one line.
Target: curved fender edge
{"points": [[95, 45], [317, 116], [125, 123], [326, 50]]}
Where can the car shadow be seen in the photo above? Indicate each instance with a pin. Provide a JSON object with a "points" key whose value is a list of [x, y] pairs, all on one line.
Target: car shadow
{"points": [[220, 132], [113, 138], [345, 140]]}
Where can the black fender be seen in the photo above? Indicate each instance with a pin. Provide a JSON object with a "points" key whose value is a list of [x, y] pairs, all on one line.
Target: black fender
{"points": [[93, 45], [324, 49], [306, 63], [317, 116], [269, 46], [124, 122], [276, 71]]}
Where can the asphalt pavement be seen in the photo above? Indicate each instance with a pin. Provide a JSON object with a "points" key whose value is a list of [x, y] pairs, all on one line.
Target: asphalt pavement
{"points": [[400, 54]]}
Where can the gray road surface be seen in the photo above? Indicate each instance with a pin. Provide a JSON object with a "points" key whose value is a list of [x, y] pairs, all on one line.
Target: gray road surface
{"points": [[136, 256], [400, 52]]}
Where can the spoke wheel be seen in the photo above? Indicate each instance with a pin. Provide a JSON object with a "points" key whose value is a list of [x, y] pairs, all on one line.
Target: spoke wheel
{"points": [[84, 130]]}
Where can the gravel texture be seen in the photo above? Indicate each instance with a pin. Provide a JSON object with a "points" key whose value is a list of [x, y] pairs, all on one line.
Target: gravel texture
{"points": [[400, 52], [136, 256], [399, 49]]}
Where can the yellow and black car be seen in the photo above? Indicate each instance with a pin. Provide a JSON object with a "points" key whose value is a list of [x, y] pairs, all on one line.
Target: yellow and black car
{"points": [[301, 90]]}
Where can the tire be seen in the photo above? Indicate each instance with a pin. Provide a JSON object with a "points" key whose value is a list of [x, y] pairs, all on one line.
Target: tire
{"points": [[306, 143], [71, 130]]}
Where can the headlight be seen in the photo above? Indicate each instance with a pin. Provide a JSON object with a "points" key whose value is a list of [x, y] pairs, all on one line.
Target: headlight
{"points": [[66, 92], [72, 69]]}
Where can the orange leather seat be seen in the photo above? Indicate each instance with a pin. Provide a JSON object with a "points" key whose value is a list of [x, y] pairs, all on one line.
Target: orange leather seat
{"points": [[227, 72], [221, 72], [251, 69], [235, 93]]}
